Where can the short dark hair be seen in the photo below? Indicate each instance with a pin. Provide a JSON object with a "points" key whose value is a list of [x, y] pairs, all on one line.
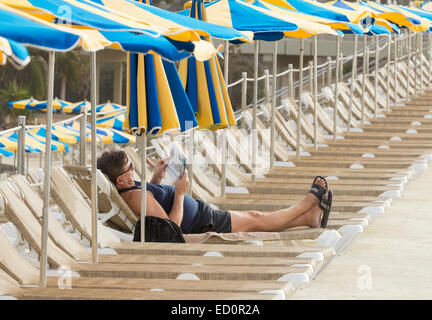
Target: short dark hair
{"points": [[111, 163]]}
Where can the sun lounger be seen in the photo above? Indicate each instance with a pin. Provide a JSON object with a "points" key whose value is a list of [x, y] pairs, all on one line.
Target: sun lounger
{"points": [[110, 269]]}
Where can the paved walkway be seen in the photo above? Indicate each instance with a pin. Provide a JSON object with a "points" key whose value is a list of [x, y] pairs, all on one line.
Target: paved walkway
{"points": [[392, 259]]}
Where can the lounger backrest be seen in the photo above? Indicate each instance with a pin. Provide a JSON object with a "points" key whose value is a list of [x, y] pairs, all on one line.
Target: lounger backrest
{"points": [[15, 264], [20, 215], [77, 209], [56, 232], [8, 285], [123, 217]]}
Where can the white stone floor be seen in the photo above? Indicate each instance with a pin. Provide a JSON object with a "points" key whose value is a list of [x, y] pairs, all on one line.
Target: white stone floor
{"points": [[392, 259]]}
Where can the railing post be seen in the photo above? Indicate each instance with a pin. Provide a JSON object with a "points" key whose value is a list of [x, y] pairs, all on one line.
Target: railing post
{"points": [[329, 72], [291, 79], [268, 101], [430, 60], [395, 71], [255, 106], [21, 144], [376, 77], [273, 106], [315, 92], [226, 62], [243, 98], [336, 94], [353, 77], [365, 55]]}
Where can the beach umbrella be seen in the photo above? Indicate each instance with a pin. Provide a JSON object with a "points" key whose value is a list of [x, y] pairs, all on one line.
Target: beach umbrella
{"points": [[57, 105], [36, 143], [341, 25], [6, 153], [144, 11], [11, 144], [76, 107], [108, 107], [107, 26], [112, 121], [16, 53], [402, 20], [29, 104], [55, 135], [101, 138], [143, 39]]}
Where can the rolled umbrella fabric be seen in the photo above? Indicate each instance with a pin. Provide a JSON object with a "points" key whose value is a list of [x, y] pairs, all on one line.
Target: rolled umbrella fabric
{"points": [[156, 101], [205, 87]]}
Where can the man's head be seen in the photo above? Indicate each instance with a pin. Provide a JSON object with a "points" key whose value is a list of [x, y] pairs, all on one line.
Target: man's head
{"points": [[117, 167]]}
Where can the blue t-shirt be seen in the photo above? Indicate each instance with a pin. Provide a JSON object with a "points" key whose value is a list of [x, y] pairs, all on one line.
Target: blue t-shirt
{"points": [[164, 195]]}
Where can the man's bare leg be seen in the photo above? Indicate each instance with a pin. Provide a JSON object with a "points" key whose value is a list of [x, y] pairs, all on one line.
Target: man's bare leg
{"points": [[249, 221]]}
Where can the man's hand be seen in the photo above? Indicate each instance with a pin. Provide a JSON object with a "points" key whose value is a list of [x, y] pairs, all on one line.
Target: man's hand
{"points": [[182, 184], [160, 171]]}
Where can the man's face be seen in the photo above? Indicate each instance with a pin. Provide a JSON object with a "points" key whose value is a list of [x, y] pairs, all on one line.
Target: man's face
{"points": [[126, 178]]}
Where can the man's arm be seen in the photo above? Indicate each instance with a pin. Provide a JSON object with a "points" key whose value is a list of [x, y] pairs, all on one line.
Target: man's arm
{"points": [[154, 208]]}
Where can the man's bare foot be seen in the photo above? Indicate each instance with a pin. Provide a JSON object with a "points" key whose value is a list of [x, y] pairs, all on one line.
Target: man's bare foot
{"points": [[313, 217], [311, 200]]}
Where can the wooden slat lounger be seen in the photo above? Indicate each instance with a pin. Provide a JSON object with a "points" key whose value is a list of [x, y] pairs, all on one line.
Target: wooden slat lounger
{"points": [[56, 257]]}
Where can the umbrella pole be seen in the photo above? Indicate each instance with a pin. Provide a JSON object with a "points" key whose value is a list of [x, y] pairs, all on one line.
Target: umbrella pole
{"points": [[273, 107], [408, 64], [224, 138], [143, 145], [365, 55], [376, 77], [421, 60], [226, 62], [46, 196], [94, 199], [395, 71], [388, 74], [336, 95], [353, 76], [191, 155], [255, 105], [315, 92]]}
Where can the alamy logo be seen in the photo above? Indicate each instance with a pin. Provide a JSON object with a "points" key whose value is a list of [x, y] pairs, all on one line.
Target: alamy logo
{"points": [[65, 279]]}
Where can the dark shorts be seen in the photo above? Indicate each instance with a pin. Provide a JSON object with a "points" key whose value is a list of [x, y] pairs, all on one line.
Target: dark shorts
{"points": [[209, 219]]}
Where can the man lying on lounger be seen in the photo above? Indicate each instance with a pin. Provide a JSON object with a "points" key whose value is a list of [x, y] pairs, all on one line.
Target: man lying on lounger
{"points": [[196, 216]]}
